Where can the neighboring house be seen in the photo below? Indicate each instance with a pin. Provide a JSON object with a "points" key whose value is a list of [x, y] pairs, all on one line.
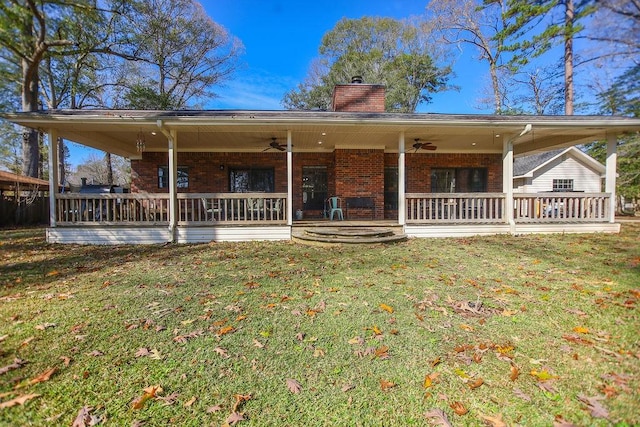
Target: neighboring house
{"points": [[563, 170], [228, 175]]}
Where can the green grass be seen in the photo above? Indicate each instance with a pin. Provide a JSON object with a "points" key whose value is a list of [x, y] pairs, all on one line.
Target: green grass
{"points": [[560, 305]]}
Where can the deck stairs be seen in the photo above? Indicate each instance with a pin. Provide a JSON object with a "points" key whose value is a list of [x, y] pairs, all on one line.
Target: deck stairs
{"points": [[347, 234]]}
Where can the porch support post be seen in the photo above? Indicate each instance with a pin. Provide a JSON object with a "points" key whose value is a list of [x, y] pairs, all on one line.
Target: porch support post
{"points": [[401, 174], [289, 180], [610, 177], [173, 183], [507, 181], [53, 175]]}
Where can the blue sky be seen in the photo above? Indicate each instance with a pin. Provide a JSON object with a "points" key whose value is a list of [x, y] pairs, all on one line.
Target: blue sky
{"points": [[281, 38]]}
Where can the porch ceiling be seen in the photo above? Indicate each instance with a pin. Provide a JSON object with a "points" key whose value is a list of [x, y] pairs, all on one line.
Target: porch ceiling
{"points": [[250, 131]]}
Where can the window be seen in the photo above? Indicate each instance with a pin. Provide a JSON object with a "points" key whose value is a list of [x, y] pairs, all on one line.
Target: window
{"points": [[391, 188], [562, 185], [163, 177], [251, 180], [314, 187], [458, 180]]}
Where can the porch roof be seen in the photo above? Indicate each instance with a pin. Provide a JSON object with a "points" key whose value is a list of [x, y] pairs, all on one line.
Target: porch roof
{"points": [[116, 131]]}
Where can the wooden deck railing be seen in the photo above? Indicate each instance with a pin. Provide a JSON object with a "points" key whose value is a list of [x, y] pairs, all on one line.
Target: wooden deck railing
{"points": [[455, 207], [153, 209], [562, 207]]}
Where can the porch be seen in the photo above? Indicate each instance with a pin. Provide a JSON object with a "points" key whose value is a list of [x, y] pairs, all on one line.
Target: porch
{"points": [[205, 217]]}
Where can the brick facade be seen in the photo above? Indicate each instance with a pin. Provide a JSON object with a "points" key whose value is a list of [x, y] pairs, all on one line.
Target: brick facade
{"points": [[358, 97]]}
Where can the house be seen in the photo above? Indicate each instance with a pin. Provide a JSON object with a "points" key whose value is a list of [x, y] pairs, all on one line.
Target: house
{"points": [[563, 170], [230, 175]]}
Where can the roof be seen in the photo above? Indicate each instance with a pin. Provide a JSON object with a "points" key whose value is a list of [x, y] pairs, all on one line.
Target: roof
{"points": [[117, 131], [9, 180], [525, 166]]}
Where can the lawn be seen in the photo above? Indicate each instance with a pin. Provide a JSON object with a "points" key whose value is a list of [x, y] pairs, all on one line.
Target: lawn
{"points": [[503, 330]]}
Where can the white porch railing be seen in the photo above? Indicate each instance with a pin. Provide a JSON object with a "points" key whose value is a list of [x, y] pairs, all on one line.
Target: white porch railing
{"points": [[196, 208], [562, 207], [455, 207], [153, 208]]}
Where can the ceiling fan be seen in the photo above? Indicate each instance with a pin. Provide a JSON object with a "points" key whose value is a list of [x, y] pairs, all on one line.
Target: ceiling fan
{"points": [[276, 145], [423, 145]]}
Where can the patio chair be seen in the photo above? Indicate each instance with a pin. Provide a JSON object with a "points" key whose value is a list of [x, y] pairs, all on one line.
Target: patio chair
{"points": [[211, 209], [335, 206]]}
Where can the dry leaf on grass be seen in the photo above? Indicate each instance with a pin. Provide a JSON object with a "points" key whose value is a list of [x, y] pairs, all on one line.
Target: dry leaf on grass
{"points": [[494, 421], [439, 417], [85, 419], [17, 363], [39, 379], [596, 410], [386, 308], [459, 408], [386, 385], [294, 386], [190, 402], [20, 400]]}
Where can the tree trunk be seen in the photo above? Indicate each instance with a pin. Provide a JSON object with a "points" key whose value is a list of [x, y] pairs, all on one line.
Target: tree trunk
{"points": [[568, 58], [62, 172], [30, 148]]}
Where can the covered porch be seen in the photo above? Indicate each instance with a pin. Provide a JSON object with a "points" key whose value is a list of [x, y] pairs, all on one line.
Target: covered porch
{"points": [[374, 157]]}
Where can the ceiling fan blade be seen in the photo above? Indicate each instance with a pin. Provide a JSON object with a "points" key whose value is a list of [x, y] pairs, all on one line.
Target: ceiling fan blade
{"points": [[429, 147]]}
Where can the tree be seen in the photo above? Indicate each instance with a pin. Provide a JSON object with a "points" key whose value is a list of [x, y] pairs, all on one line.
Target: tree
{"points": [[474, 23], [623, 98], [562, 20], [394, 53], [182, 54]]}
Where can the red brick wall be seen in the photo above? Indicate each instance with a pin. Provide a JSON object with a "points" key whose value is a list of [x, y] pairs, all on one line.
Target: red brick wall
{"points": [[358, 97], [418, 168], [360, 173], [205, 175]]}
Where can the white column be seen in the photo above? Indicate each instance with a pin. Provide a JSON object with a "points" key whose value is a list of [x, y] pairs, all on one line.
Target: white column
{"points": [[402, 210], [507, 180], [289, 180], [611, 171], [53, 175], [173, 183]]}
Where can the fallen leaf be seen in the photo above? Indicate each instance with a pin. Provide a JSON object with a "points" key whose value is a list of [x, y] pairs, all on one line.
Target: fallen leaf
{"points": [[477, 383], [515, 372], [17, 363], [20, 400], [522, 395], [440, 417], [235, 418], [458, 408], [44, 326], [581, 330], [347, 387], [221, 351], [190, 402], [356, 340], [386, 385], [40, 378], [559, 421], [386, 308], [170, 399], [494, 421], [429, 379], [84, 418], [257, 343], [66, 360], [143, 351], [214, 409], [466, 327], [596, 410], [382, 352], [294, 386], [542, 375], [95, 353]]}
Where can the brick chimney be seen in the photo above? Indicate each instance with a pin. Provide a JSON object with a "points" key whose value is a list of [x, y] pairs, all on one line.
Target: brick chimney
{"points": [[358, 97]]}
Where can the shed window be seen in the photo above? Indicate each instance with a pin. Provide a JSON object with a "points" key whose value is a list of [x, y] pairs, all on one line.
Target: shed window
{"points": [[562, 185]]}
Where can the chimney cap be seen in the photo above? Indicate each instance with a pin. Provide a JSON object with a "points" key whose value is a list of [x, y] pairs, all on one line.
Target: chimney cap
{"points": [[356, 79]]}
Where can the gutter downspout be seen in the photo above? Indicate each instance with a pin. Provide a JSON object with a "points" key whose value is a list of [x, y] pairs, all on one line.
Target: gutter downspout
{"points": [[507, 176], [172, 140]]}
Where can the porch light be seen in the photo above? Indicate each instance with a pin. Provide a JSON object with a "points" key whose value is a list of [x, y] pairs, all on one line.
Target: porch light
{"points": [[140, 142]]}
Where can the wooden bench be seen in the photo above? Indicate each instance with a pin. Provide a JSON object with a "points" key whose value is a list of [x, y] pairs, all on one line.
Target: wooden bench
{"points": [[361, 203]]}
